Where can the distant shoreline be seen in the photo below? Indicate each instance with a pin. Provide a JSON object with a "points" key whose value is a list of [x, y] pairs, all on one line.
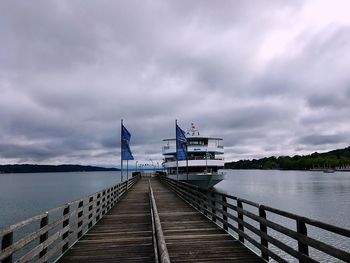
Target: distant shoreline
{"points": [[302, 170], [338, 159], [35, 168]]}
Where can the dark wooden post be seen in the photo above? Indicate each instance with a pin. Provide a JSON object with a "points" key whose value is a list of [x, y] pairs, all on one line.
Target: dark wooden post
{"points": [[205, 202], [263, 228], [115, 195], [65, 235], [240, 216], [198, 201], [191, 198], [80, 218], [103, 202], [98, 206], [118, 192], [224, 209], [213, 206], [301, 228], [91, 206], [43, 222], [7, 240], [108, 199]]}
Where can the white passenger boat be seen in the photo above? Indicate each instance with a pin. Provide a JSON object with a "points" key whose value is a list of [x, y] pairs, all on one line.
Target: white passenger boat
{"points": [[205, 158]]}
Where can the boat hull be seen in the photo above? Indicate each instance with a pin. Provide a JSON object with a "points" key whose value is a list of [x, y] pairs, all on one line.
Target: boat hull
{"points": [[205, 181]]}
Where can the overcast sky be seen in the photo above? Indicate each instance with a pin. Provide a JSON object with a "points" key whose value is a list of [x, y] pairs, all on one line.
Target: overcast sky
{"points": [[270, 77]]}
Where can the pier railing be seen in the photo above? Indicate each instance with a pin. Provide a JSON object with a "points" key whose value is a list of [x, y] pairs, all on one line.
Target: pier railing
{"points": [[260, 226], [160, 248], [45, 237]]}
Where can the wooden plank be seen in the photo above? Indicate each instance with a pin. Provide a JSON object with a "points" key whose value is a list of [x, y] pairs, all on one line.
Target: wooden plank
{"points": [[124, 234], [190, 236]]}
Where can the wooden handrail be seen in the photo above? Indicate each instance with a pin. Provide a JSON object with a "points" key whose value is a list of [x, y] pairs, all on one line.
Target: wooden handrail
{"points": [[162, 251], [76, 218], [224, 209]]}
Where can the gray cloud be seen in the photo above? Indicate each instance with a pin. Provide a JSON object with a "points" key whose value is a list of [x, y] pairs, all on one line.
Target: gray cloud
{"points": [[319, 139], [69, 71]]}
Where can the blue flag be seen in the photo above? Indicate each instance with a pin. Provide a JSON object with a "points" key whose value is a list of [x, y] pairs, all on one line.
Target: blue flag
{"points": [[181, 144], [125, 138]]}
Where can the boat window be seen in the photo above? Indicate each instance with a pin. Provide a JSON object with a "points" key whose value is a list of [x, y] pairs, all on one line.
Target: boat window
{"points": [[201, 142]]}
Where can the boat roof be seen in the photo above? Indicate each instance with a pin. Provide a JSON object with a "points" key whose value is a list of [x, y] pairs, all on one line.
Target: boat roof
{"points": [[195, 137]]}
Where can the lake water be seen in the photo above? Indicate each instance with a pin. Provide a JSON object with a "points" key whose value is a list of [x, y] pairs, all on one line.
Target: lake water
{"points": [[25, 195], [318, 195]]}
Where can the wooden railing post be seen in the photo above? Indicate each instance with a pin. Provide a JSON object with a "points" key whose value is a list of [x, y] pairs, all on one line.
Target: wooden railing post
{"points": [[263, 228], [118, 192], [111, 203], [91, 206], [115, 195], [301, 229], [108, 200], [224, 209], [65, 223], [43, 222], [98, 206], [213, 206], [205, 200], [199, 200], [7, 240], [103, 202], [240, 216], [80, 219]]}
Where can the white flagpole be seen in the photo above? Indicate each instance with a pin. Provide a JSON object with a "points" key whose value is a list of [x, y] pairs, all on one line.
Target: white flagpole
{"points": [[187, 161], [121, 149], [177, 161]]}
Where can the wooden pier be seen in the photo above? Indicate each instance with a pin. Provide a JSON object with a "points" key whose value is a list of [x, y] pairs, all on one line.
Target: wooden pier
{"points": [[161, 220], [191, 237], [124, 234]]}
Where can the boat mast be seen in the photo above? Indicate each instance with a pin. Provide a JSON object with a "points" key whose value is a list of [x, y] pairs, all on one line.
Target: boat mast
{"points": [[177, 161], [121, 148]]}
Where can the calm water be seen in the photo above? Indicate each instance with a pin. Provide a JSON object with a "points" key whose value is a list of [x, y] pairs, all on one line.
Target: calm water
{"points": [[322, 196], [318, 195], [26, 195]]}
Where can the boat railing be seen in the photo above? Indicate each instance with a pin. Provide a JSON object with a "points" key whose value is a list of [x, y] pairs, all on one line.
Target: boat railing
{"points": [[47, 236], [201, 158], [271, 233], [208, 172], [194, 146]]}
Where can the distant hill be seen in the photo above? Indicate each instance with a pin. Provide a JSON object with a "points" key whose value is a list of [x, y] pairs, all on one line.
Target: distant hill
{"points": [[34, 168], [339, 158]]}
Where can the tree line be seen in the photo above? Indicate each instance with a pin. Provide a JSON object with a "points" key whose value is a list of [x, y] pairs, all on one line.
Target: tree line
{"points": [[335, 159]]}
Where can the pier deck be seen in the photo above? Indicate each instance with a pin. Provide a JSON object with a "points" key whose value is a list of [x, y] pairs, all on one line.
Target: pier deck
{"points": [[124, 234], [191, 237]]}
